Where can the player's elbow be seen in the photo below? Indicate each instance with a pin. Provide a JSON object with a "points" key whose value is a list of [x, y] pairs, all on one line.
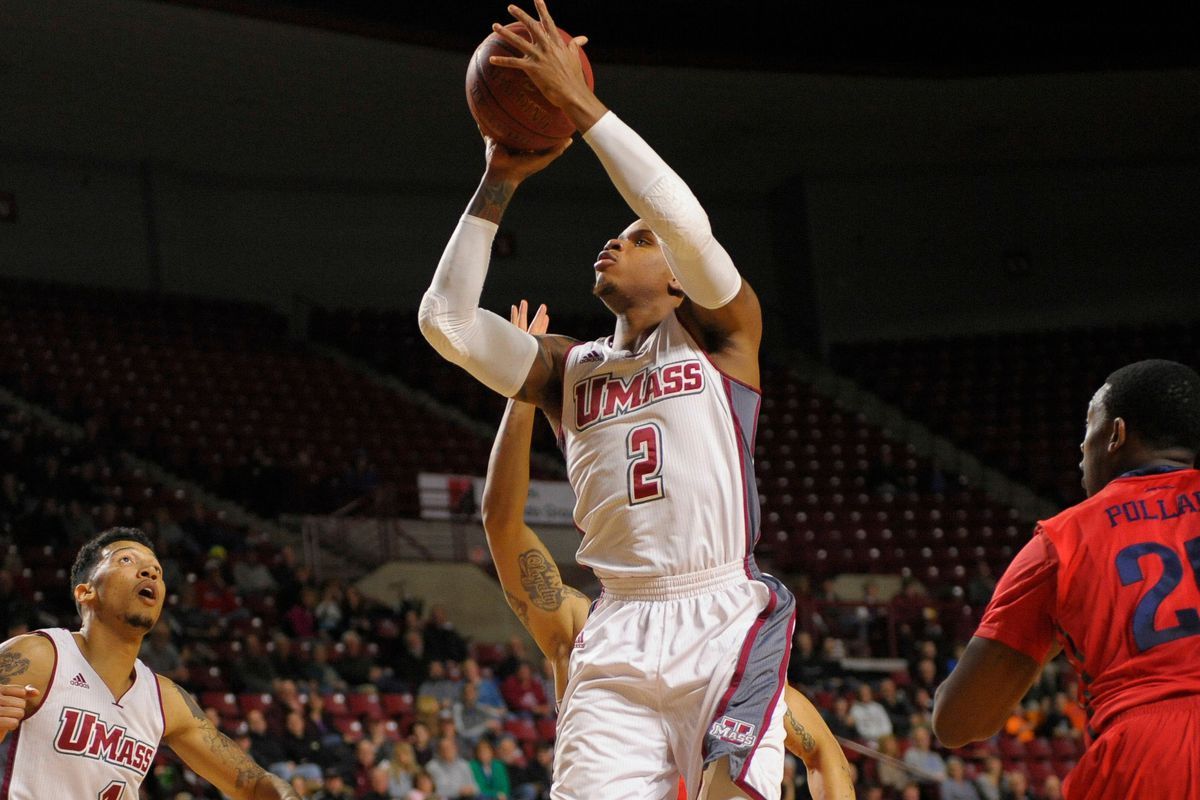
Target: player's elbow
{"points": [[441, 327], [953, 726]]}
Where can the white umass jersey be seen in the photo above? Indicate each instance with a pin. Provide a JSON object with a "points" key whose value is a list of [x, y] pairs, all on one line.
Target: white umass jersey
{"points": [[659, 447], [81, 743]]}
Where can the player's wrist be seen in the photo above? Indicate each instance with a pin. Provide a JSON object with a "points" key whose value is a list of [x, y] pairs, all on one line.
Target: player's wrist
{"points": [[584, 109]]}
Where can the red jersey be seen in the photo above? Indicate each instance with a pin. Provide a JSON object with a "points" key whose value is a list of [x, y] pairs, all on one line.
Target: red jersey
{"points": [[1116, 581]]}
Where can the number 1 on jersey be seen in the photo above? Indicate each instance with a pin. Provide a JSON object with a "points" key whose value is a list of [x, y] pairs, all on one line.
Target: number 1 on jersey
{"points": [[643, 447]]}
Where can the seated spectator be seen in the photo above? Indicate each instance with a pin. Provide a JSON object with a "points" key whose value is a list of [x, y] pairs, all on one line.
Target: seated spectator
{"points": [[265, 747], [335, 787], [255, 673], [402, 768], [303, 749], [412, 665], [489, 691], [355, 664], [422, 742], [1057, 722], [891, 774], [439, 687], [442, 642], [1052, 788], [322, 673], [990, 781], [806, 667], [380, 785], [329, 610], [301, 618], [524, 694], [870, 719], [911, 792], [897, 706], [1018, 786], [365, 760], [423, 788], [1023, 722], [926, 762], [451, 774], [471, 719], [956, 786], [491, 776], [838, 718], [160, 654], [523, 780], [251, 576]]}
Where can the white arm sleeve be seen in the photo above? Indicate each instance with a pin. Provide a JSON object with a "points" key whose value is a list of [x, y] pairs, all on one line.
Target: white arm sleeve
{"points": [[664, 201], [493, 350]]}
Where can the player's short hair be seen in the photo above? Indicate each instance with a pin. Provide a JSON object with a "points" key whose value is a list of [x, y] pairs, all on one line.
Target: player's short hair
{"points": [[1159, 401], [89, 554]]}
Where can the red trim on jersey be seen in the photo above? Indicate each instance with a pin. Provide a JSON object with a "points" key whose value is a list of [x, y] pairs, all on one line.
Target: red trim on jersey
{"points": [[747, 645], [781, 679], [53, 673], [562, 433], [737, 435], [11, 762], [163, 709]]}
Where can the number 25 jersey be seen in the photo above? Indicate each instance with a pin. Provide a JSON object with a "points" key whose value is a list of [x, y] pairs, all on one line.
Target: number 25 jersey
{"points": [[659, 447], [1116, 580]]}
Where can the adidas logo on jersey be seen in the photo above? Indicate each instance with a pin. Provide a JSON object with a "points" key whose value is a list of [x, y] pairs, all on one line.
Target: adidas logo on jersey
{"points": [[590, 356], [79, 681]]}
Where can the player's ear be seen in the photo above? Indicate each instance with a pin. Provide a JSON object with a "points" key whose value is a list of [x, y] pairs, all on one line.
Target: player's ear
{"points": [[84, 593], [1118, 435]]}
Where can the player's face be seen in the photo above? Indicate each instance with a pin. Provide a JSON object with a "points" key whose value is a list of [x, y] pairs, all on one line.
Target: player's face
{"points": [[127, 585], [1094, 464], [632, 265]]}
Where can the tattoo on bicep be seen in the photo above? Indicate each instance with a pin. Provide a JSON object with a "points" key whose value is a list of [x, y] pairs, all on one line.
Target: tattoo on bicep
{"points": [[806, 740], [12, 665], [540, 580], [519, 606], [192, 705]]}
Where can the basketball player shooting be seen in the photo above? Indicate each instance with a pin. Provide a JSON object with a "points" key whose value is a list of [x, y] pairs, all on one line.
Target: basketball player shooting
{"points": [[86, 716], [1115, 583], [680, 667], [554, 613]]}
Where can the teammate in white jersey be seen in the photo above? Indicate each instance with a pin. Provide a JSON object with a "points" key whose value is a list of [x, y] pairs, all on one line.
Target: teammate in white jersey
{"points": [[86, 716], [680, 667]]}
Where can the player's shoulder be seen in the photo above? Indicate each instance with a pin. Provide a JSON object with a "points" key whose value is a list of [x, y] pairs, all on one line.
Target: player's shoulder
{"points": [[34, 646], [29, 659]]}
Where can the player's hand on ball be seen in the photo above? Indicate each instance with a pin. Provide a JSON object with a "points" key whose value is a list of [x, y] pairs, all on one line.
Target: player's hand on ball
{"points": [[551, 63], [519, 316], [12, 704], [514, 165]]}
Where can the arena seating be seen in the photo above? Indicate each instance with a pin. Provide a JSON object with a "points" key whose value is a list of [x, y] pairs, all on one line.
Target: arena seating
{"points": [[217, 392], [1016, 400]]}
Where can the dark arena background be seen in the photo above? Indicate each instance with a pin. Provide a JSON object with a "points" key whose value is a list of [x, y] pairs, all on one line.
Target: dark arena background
{"points": [[217, 220]]}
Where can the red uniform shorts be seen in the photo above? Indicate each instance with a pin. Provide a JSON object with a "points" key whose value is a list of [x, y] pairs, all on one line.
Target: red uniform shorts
{"points": [[1148, 752]]}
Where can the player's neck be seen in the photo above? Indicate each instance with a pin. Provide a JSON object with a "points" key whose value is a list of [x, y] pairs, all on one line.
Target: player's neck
{"points": [[110, 653], [634, 326]]}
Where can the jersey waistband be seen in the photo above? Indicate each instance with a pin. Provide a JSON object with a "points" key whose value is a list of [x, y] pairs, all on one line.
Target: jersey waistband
{"points": [[1182, 702], [676, 587]]}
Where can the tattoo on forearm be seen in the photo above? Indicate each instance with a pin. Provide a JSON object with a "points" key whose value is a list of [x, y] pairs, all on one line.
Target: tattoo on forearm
{"points": [[806, 740], [491, 200], [247, 774], [540, 580], [12, 665], [519, 606]]}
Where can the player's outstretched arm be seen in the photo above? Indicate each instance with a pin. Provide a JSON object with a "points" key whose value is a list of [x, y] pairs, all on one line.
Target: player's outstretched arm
{"points": [[973, 703], [552, 612], [26, 669], [809, 738], [503, 358], [211, 754], [722, 304]]}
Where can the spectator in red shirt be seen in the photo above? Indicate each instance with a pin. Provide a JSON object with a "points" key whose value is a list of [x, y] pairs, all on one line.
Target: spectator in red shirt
{"points": [[524, 693]]}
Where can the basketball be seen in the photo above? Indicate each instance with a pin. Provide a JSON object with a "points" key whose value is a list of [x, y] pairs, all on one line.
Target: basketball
{"points": [[506, 104]]}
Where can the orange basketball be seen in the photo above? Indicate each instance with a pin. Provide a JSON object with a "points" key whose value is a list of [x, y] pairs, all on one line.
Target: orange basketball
{"points": [[506, 104]]}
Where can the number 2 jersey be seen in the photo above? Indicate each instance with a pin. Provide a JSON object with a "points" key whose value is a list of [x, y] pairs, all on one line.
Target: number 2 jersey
{"points": [[1116, 581], [659, 447], [81, 743]]}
